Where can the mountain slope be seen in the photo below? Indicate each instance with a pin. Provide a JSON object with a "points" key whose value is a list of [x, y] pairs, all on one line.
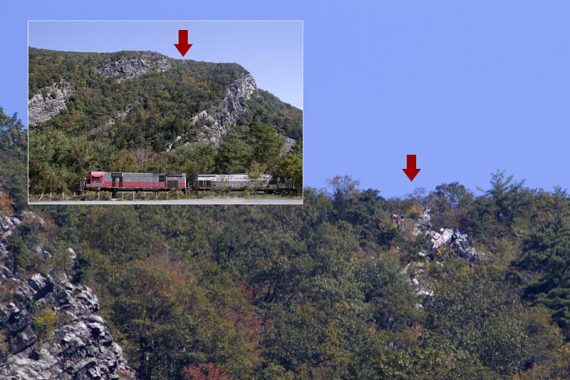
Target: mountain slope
{"points": [[142, 103], [351, 285]]}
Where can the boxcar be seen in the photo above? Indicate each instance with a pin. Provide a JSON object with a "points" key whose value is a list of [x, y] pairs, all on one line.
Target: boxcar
{"points": [[120, 181]]}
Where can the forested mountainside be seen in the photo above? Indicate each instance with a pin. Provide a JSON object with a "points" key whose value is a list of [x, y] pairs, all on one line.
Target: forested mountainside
{"points": [[142, 111], [445, 284]]}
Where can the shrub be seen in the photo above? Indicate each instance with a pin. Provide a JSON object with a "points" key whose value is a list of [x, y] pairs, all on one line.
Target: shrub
{"points": [[44, 323]]}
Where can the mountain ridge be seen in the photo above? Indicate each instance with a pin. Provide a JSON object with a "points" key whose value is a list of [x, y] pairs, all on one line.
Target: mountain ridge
{"points": [[136, 111]]}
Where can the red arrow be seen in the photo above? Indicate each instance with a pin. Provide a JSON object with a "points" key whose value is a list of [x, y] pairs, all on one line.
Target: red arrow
{"points": [[183, 46], [411, 170]]}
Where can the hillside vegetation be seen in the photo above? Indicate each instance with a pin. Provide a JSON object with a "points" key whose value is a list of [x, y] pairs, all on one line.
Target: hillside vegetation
{"points": [[324, 290], [141, 111]]}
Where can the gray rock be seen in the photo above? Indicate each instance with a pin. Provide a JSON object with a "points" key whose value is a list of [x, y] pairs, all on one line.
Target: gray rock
{"points": [[6, 223], [71, 253], [445, 242], [80, 347], [18, 319], [440, 238], [31, 217], [214, 124], [129, 68], [48, 102], [289, 144], [21, 340], [41, 284]]}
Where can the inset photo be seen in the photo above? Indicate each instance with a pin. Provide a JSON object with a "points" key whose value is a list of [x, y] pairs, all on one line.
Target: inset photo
{"points": [[165, 112]]}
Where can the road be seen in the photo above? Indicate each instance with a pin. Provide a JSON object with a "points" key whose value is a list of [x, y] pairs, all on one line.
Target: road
{"points": [[202, 202]]}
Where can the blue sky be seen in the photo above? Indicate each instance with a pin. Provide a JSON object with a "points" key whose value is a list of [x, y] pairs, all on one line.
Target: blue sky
{"points": [[470, 87], [271, 50]]}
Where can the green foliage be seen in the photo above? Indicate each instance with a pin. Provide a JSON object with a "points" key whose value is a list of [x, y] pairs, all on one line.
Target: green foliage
{"points": [[390, 295], [268, 109], [495, 215], [24, 238], [325, 293], [164, 309], [234, 156], [290, 171], [13, 143], [547, 251], [471, 314], [428, 363], [267, 145], [448, 203], [44, 323], [4, 346]]}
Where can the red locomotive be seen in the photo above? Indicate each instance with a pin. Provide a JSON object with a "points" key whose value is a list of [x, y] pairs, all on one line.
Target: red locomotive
{"points": [[119, 181]]}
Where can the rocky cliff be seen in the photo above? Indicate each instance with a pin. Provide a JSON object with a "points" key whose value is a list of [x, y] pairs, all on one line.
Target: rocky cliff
{"points": [[49, 328], [214, 123], [133, 67], [48, 102]]}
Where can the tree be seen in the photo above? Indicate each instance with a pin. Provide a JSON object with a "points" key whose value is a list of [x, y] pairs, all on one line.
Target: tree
{"points": [[233, 156], [13, 143], [267, 145], [472, 313], [547, 251], [448, 204], [125, 161], [290, 171]]}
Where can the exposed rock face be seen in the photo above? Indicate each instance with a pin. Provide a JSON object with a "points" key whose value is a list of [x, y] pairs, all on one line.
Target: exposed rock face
{"points": [[237, 95], [77, 346], [49, 102], [456, 243], [446, 242], [214, 124], [129, 68], [289, 144]]}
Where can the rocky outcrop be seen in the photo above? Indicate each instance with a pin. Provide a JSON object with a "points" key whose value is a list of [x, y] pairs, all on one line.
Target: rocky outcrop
{"points": [[453, 242], [48, 102], [213, 124], [235, 100], [49, 328], [441, 244], [289, 144], [133, 67], [445, 242]]}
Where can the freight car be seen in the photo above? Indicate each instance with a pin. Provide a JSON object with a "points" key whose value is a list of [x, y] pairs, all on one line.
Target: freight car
{"points": [[235, 182], [120, 181]]}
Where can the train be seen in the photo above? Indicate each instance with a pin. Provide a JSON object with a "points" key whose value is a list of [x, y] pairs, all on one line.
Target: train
{"points": [[121, 181]]}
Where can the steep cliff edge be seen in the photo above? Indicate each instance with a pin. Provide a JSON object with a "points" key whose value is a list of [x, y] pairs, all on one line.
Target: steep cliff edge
{"points": [[215, 123], [49, 328], [48, 102]]}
